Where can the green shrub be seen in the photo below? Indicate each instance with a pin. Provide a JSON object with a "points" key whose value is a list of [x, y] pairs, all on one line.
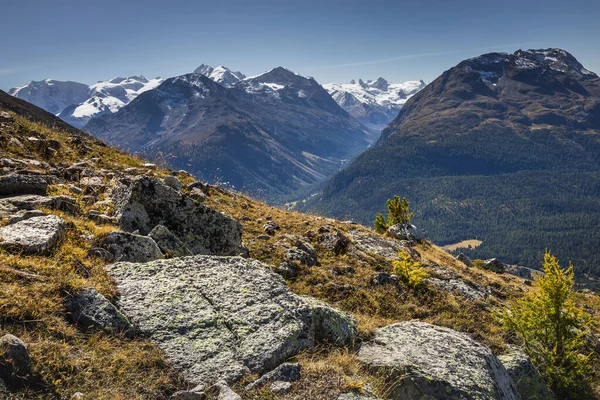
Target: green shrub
{"points": [[409, 270], [397, 214]]}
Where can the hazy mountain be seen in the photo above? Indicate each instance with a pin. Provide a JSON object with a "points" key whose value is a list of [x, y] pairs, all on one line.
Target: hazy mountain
{"points": [[502, 147], [268, 135]]}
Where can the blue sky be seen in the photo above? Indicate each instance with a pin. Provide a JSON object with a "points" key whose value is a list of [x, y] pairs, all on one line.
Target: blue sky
{"points": [[334, 41]]}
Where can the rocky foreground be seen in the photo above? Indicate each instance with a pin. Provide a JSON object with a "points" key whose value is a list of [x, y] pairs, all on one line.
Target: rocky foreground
{"points": [[258, 302]]}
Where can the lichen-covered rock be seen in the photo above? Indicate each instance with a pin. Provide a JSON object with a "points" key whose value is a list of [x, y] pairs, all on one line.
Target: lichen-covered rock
{"points": [[459, 287], [524, 272], [224, 392], [430, 362], [125, 246], [168, 243], [215, 317], [383, 278], [37, 235], [296, 254], [387, 248], [280, 387], [270, 227], [90, 309], [495, 265], [15, 362], [172, 181], [12, 184], [402, 232], [147, 202], [331, 325], [336, 242], [22, 215], [287, 270], [530, 384], [11, 205]]}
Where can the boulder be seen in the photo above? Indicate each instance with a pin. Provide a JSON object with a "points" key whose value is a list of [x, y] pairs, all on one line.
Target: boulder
{"points": [[198, 195], [331, 325], [168, 243], [287, 270], [270, 227], [172, 181], [101, 253], [90, 309], [529, 383], [147, 202], [224, 392], [15, 362], [381, 246], [218, 317], [383, 278], [22, 215], [37, 235], [402, 232], [286, 372], [469, 291], [296, 254], [280, 387], [425, 361], [336, 242], [11, 205], [13, 184], [125, 246], [196, 393], [462, 257], [495, 265], [524, 272]]}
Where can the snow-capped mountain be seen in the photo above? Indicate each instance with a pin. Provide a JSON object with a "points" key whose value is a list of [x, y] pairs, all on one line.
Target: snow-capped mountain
{"points": [[374, 103], [220, 74], [76, 103], [53, 96]]}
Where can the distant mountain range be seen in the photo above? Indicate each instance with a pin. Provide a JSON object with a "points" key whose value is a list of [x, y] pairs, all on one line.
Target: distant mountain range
{"points": [[504, 148], [374, 103], [76, 103], [267, 135]]}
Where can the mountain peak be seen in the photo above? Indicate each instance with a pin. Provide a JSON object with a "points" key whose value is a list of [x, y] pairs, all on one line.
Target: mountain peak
{"points": [[204, 70]]}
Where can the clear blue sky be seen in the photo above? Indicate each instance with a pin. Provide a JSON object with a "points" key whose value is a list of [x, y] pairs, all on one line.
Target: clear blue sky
{"points": [[334, 41]]}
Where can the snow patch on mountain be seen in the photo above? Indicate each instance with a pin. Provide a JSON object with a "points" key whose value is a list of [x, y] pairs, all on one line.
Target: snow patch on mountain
{"points": [[220, 74]]}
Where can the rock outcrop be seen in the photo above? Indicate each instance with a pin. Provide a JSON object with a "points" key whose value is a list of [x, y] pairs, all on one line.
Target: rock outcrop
{"points": [[427, 361], [530, 384], [13, 184], [221, 317], [147, 202], [37, 235], [495, 265], [168, 243], [125, 246], [15, 362]]}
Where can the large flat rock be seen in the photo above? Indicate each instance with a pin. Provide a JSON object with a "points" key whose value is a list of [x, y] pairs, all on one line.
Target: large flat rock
{"points": [[12, 184], [37, 235], [217, 317], [430, 362]]}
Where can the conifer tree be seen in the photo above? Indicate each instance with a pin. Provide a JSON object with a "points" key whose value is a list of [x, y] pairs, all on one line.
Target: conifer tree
{"points": [[397, 214], [552, 330]]}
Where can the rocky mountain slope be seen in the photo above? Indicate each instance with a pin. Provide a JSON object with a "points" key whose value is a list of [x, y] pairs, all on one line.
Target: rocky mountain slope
{"points": [[502, 148], [76, 103], [124, 280], [220, 74], [374, 103], [268, 135]]}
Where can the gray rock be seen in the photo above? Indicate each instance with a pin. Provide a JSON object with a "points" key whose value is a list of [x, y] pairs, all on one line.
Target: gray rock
{"points": [[168, 243], [307, 248], [198, 195], [286, 372], [301, 256], [172, 181], [225, 392], [37, 235], [15, 362], [427, 361], [12, 184], [336, 242], [524, 272], [90, 309], [340, 271], [11, 205], [147, 202], [270, 227], [530, 384], [280, 387], [22, 215], [462, 257], [100, 218], [402, 232], [495, 265], [383, 278], [287, 270], [215, 317], [101, 253], [125, 246], [331, 325], [380, 246], [469, 291]]}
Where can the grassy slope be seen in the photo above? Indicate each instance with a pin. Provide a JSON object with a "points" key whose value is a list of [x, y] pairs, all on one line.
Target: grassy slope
{"points": [[34, 290]]}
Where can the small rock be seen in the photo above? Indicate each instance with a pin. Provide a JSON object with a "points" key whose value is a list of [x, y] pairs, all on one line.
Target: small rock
{"points": [[173, 182], [287, 270], [100, 218], [307, 248], [270, 227], [462, 257], [347, 270], [149, 165], [168, 243], [198, 195], [37, 235], [101, 253], [402, 232], [334, 242], [280, 387], [301, 256], [125, 246], [196, 393], [23, 184], [225, 392], [22, 215], [331, 325], [77, 396], [263, 237], [286, 372], [495, 265], [15, 362], [74, 189], [524, 374], [92, 310]]}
